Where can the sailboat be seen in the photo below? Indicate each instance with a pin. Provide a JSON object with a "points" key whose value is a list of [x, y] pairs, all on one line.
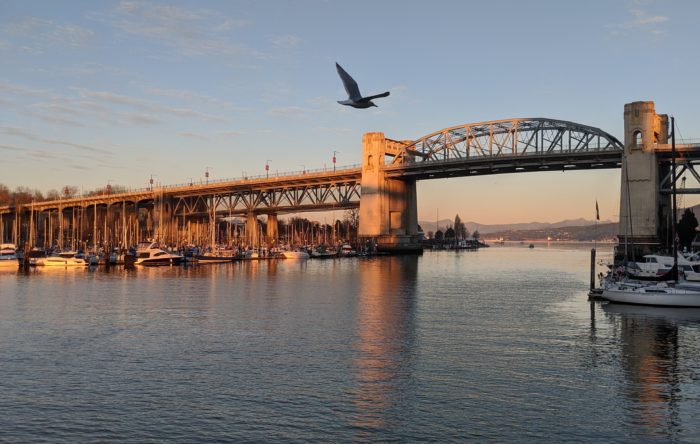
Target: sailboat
{"points": [[660, 294]]}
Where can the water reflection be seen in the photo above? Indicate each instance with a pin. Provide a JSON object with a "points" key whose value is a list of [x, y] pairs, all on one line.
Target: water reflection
{"points": [[385, 341], [650, 339]]}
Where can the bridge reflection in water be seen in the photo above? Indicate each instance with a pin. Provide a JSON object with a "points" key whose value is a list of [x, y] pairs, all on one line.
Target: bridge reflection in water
{"points": [[384, 342]]}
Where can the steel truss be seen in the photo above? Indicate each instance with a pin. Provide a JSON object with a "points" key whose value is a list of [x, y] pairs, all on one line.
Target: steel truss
{"points": [[285, 199], [682, 167], [503, 138]]}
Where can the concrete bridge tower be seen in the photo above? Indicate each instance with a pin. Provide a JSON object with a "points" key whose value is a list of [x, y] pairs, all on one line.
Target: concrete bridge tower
{"points": [[388, 207], [643, 209]]}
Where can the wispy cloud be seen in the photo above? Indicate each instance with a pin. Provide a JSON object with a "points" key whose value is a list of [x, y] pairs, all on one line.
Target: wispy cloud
{"points": [[29, 135], [42, 34], [186, 95], [21, 90], [146, 105], [140, 119], [640, 22], [11, 148], [230, 133], [191, 32], [285, 41], [289, 111], [189, 135]]}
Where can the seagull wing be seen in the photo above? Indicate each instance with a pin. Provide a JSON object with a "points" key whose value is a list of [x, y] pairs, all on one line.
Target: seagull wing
{"points": [[367, 99], [349, 83]]}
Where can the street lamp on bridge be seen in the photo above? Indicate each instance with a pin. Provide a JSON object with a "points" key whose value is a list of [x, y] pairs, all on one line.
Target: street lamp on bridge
{"points": [[267, 168], [334, 153], [303, 169], [150, 181], [206, 174]]}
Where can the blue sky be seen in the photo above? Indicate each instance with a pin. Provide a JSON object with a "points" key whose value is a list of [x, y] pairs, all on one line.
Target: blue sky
{"points": [[92, 92]]}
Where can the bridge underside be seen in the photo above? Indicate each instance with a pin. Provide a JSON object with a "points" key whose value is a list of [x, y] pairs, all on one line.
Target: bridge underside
{"points": [[504, 165]]}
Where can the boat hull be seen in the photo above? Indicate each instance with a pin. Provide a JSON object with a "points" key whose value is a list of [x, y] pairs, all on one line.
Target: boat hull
{"points": [[296, 255], [660, 298], [9, 263], [156, 262], [214, 259], [61, 262]]}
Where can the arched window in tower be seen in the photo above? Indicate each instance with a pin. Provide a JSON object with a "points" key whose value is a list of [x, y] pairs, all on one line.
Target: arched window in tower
{"points": [[637, 138]]}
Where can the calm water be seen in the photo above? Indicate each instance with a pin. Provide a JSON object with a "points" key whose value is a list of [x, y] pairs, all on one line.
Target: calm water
{"points": [[496, 345]]}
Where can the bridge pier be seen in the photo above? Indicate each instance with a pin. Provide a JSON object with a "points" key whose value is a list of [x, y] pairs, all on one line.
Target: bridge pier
{"points": [[251, 230], [644, 211], [388, 207], [272, 229]]}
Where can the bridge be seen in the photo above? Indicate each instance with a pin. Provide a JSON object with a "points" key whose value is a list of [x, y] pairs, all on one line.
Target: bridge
{"points": [[383, 187]]}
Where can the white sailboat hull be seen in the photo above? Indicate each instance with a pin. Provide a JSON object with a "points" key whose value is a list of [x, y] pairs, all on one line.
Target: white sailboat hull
{"points": [[660, 296]]}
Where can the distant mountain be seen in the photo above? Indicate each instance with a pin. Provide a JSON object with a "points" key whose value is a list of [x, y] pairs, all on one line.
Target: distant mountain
{"points": [[486, 229], [602, 232]]}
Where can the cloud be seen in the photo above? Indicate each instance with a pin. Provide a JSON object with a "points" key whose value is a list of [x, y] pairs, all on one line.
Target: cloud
{"points": [[54, 119], [48, 33], [641, 22], [289, 111], [145, 105], [230, 24], [186, 95], [21, 90], [285, 41], [28, 135], [230, 133], [139, 119], [191, 32], [11, 148], [189, 135]]}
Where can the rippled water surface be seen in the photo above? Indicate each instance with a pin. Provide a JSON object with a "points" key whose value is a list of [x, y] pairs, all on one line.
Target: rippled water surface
{"points": [[496, 345]]}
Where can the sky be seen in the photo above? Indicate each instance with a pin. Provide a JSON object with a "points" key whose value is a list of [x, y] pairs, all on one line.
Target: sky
{"points": [[116, 92]]}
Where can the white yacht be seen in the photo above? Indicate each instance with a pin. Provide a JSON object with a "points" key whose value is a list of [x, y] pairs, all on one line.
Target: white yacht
{"points": [[150, 253], [8, 256], [63, 259]]}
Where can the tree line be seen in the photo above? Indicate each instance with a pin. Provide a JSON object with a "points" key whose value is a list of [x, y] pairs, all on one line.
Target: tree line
{"points": [[458, 231], [24, 195]]}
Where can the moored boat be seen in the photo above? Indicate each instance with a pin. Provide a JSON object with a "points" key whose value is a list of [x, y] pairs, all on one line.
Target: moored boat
{"points": [[62, 259], [150, 253], [8, 256], [296, 254], [657, 294], [324, 253]]}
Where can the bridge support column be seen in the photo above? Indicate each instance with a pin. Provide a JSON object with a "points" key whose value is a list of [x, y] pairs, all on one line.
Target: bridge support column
{"points": [[643, 210], [251, 230], [272, 229], [388, 207]]}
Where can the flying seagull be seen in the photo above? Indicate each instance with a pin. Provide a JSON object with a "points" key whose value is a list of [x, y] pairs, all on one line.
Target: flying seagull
{"points": [[355, 99]]}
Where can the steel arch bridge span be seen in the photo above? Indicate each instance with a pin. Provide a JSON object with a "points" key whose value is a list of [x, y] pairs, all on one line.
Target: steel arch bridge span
{"points": [[505, 146]]}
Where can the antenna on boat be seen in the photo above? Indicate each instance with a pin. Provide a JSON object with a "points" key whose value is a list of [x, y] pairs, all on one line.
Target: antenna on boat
{"points": [[673, 201]]}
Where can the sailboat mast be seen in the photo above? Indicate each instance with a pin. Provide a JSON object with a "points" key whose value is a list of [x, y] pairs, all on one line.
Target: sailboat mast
{"points": [[673, 200]]}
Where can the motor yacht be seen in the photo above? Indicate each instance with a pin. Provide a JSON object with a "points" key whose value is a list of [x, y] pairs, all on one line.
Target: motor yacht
{"points": [[150, 253], [62, 259]]}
